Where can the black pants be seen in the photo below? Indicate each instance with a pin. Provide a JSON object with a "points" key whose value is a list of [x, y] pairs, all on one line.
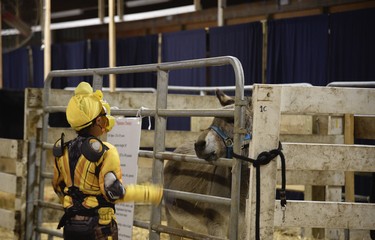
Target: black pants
{"points": [[88, 228]]}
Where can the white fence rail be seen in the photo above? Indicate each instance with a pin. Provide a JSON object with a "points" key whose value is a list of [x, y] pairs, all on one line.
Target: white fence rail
{"points": [[270, 101]]}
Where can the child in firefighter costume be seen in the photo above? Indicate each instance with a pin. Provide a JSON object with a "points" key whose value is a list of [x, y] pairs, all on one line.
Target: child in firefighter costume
{"points": [[87, 173]]}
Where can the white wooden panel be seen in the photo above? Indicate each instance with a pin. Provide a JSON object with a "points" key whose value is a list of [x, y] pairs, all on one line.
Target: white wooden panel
{"points": [[333, 194], [296, 124], [304, 156], [8, 148], [55, 133], [8, 165], [21, 166], [314, 178], [335, 125], [129, 100], [325, 100], [8, 183], [173, 138], [326, 215], [359, 234], [19, 204], [334, 139], [198, 124], [7, 219], [266, 122]]}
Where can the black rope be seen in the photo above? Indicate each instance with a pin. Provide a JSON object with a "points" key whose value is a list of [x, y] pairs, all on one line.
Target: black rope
{"points": [[263, 159]]}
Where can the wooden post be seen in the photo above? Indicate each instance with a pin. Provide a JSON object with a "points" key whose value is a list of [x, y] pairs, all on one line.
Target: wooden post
{"points": [[47, 37], [266, 130], [198, 5], [101, 10], [220, 12], [112, 44], [264, 52], [349, 139], [120, 10]]}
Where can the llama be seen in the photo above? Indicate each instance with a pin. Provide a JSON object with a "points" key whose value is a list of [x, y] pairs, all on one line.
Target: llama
{"points": [[206, 218]]}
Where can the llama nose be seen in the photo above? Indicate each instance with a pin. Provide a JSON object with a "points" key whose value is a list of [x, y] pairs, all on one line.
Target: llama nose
{"points": [[200, 145]]}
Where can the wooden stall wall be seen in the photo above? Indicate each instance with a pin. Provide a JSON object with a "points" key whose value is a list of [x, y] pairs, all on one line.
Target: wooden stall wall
{"points": [[312, 185], [13, 179]]}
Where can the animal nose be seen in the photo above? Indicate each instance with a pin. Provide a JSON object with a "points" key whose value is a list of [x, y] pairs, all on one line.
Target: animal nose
{"points": [[200, 145]]}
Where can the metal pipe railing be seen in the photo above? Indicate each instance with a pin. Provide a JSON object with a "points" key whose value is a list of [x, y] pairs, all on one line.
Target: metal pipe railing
{"points": [[369, 84], [160, 115], [161, 112], [225, 162]]}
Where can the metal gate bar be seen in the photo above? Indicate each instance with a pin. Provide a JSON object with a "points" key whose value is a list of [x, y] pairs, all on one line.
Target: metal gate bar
{"points": [[184, 158], [162, 112], [160, 115]]}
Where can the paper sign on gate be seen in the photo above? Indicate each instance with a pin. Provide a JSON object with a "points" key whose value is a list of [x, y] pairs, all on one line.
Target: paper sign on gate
{"points": [[126, 136]]}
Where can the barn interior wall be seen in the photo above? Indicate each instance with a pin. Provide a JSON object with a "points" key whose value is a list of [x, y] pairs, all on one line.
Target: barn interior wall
{"points": [[251, 13], [206, 18]]}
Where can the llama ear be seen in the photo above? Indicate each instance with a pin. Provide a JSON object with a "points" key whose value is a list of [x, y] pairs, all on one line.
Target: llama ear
{"points": [[224, 99]]}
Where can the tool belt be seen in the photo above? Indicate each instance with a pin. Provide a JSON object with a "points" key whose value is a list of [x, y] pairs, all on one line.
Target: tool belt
{"points": [[90, 228], [80, 226], [77, 215], [79, 210]]}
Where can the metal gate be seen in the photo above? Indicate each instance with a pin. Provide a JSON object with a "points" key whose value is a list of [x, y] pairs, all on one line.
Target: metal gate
{"points": [[160, 114]]}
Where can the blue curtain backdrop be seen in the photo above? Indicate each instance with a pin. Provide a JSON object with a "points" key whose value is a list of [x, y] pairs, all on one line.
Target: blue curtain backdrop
{"points": [[38, 66], [178, 46], [98, 56], [68, 56], [16, 69], [136, 51], [298, 50], [64, 56], [185, 45], [352, 48], [58, 63], [94, 54], [243, 41], [75, 55]]}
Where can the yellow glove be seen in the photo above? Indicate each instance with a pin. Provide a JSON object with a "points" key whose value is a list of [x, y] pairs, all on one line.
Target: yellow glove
{"points": [[143, 193], [106, 214]]}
